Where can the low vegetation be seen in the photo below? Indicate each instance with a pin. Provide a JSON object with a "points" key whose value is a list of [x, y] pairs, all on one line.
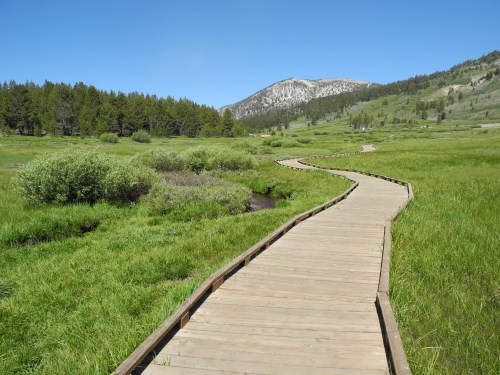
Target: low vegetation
{"points": [[80, 175], [282, 142], [141, 136], [160, 160], [186, 196], [211, 158], [108, 138]]}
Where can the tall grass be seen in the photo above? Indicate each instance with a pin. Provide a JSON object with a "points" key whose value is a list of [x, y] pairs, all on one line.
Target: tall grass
{"points": [[188, 196], [445, 263]]}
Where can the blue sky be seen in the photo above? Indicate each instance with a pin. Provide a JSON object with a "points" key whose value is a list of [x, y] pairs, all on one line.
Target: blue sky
{"points": [[218, 52]]}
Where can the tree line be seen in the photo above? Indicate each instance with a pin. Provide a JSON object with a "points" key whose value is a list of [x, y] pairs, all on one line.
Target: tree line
{"points": [[81, 110]]}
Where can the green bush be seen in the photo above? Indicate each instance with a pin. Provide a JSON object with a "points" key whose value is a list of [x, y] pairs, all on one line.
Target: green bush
{"points": [[286, 143], [209, 158], [80, 175], [195, 198], [304, 140], [230, 160], [244, 146], [160, 160], [264, 150], [269, 140], [108, 138], [317, 132], [141, 136]]}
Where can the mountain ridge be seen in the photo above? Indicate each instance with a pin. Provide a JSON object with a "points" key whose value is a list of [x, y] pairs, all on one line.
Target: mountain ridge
{"points": [[292, 91]]}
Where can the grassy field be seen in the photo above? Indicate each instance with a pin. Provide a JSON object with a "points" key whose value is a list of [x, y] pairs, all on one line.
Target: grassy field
{"points": [[85, 296], [80, 301], [445, 262]]}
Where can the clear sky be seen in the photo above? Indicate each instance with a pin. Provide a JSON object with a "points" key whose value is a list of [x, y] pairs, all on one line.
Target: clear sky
{"points": [[218, 52]]}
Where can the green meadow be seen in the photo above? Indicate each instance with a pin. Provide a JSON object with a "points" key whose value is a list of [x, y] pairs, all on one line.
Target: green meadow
{"points": [[81, 286]]}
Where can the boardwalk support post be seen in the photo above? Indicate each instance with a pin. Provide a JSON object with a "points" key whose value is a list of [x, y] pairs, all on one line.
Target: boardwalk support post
{"points": [[218, 283]]}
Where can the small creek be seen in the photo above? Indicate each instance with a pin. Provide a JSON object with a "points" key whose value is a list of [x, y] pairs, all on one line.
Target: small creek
{"points": [[261, 202]]}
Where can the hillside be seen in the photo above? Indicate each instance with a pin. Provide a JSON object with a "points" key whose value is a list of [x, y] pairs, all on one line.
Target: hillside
{"points": [[291, 92], [467, 91]]}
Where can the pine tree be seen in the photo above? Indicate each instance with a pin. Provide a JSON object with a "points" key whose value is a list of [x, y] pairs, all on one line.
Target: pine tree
{"points": [[89, 113], [227, 123], [63, 106]]}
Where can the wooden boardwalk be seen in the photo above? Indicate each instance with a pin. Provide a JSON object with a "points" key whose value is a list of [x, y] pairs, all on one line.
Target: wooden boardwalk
{"points": [[305, 305]]}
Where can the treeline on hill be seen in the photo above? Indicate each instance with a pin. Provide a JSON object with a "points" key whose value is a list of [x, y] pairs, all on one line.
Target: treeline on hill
{"points": [[337, 104], [320, 107], [279, 118], [81, 110]]}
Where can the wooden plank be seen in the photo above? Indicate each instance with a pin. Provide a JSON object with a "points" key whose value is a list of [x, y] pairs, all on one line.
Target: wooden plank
{"points": [[234, 365], [293, 345], [340, 337], [306, 296], [335, 326]]}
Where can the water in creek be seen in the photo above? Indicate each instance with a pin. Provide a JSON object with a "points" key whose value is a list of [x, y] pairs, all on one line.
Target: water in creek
{"points": [[261, 202]]}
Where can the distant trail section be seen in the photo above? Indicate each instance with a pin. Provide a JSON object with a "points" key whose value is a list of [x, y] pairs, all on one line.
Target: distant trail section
{"points": [[303, 306]]}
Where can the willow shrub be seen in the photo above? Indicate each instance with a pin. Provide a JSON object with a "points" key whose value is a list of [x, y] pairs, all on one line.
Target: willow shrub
{"points": [[108, 138], [209, 158], [244, 146], [141, 136], [160, 160], [81, 175]]}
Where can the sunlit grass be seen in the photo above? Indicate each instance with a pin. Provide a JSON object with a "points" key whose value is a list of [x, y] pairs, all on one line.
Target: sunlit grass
{"points": [[445, 263]]}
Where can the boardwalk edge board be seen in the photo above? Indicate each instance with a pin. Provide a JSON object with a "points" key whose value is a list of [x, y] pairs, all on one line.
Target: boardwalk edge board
{"points": [[181, 316], [392, 338]]}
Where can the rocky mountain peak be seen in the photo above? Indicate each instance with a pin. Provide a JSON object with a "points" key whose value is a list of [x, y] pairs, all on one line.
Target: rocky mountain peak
{"points": [[290, 92]]}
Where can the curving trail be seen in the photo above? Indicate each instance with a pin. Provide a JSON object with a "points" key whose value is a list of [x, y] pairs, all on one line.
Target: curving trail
{"points": [[305, 305]]}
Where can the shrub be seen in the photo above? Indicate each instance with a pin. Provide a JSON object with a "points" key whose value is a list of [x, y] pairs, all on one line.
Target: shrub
{"points": [[160, 160], [317, 132], [125, 183], [79, 175], [141, 136], [230, 160], [286, 143], [268, 141], [265, 151], [196, 159], [304, 140], [108, 138], [244, 146], [208, 158], [203, 197]]}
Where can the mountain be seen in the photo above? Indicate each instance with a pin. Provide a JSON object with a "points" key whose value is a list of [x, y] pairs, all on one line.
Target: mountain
{"points": [[290, 92]]}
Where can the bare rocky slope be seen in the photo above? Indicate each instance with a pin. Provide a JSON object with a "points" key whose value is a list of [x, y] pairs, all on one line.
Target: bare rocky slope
{"points": [[292, 91]]}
